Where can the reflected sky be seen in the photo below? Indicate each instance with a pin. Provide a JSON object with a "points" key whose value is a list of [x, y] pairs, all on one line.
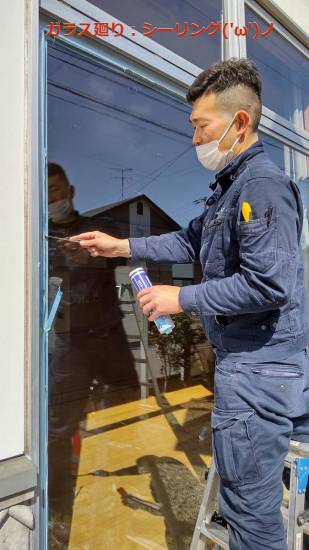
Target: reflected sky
{"points": [[109, 132], [284, 72], [117, 138]]}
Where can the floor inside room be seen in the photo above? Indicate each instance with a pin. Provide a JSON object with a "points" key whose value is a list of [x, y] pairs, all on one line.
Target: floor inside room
{"points": [[141, 472]]}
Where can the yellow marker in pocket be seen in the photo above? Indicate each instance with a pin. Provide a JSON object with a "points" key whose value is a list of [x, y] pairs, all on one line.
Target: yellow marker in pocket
{"points": [[246, 211]]}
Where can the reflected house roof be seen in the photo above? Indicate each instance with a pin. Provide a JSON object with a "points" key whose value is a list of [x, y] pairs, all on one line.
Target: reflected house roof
{"points": [[174, 226]]}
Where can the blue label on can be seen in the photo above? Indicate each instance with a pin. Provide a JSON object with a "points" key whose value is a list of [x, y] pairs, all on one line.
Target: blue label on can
{"points": [[140, 280]]}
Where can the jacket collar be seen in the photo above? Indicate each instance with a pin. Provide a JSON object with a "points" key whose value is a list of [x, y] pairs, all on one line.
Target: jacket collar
{"points": [[229, 172]]}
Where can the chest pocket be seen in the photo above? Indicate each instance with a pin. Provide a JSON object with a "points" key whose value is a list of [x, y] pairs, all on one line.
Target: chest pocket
{"points": [[220, 249], [212, 256], [219, 254]]}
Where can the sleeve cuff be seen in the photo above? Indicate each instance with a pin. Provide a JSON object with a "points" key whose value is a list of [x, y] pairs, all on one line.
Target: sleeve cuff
{"points": [[138, 248], [187, 300]]}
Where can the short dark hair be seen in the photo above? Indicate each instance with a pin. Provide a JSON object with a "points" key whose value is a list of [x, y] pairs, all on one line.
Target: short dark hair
{"points": [[223, 78], [57, 170]]}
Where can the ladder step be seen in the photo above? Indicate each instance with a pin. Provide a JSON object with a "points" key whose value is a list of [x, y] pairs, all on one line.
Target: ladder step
{"points": [[285, 515], [219, 534], [213, 531], [216, 533]]}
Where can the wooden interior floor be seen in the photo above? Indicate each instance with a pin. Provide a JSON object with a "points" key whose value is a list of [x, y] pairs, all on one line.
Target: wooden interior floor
{"points": [[141, 473]]}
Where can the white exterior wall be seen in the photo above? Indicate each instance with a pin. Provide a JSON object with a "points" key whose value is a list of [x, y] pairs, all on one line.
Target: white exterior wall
{"points": [[298, 11], [12, 222]]}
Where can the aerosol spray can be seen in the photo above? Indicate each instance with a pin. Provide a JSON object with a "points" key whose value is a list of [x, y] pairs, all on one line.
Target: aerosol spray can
{"points": [[140, 280]]}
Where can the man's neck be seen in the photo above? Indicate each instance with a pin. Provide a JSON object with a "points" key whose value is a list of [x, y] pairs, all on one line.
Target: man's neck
{"points": [[68, 219], [241, 147]]}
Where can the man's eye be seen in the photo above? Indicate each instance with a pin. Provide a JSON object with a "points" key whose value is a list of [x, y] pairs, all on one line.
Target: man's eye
{"points": [[199, 126]]}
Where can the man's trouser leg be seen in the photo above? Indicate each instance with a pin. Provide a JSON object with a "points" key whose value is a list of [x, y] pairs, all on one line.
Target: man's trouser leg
{"points": [[256, 407]]}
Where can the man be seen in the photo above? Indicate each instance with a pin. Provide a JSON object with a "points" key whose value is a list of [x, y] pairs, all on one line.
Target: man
{"points": [[252, 299], [88, 344]]}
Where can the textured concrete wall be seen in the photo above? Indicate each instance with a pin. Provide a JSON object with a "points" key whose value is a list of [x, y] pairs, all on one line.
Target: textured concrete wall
{"points": [[15, 525], [14, 535]]}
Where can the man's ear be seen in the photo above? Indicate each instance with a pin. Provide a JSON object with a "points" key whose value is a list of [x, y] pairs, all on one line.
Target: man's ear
{"points": [[71, 192], [242, 121]]}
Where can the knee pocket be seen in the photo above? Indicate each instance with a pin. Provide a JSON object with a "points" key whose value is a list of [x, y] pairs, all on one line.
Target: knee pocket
{"points": [[233, 445]]}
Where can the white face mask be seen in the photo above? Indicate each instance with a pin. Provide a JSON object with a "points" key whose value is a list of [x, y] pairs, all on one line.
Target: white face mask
{"points": [[58, 211], [209, 154]]}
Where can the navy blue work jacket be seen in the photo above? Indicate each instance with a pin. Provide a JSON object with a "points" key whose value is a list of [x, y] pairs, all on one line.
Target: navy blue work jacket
{"points": [[251, 299]]}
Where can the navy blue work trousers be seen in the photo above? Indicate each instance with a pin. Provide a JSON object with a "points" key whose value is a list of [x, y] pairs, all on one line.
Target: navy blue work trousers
{"points": [[258, 408]]}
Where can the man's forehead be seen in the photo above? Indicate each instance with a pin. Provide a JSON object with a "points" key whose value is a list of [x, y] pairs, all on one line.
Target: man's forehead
{"points": [[203, 108], [55, 180]]}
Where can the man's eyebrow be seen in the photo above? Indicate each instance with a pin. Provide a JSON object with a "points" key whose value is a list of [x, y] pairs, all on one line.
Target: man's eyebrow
{"points": [[196, 119]]}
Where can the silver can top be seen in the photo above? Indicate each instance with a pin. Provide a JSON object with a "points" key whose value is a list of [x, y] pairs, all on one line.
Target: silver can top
{"points": [[135, 271]]}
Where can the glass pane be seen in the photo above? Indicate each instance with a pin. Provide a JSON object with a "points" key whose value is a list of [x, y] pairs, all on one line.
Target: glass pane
{"points": [[300, 174], [190, 17], [126, 463], [296, 166], [284, 72]]}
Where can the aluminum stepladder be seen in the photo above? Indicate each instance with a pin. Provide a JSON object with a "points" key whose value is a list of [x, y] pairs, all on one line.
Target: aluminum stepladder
{"points": [[296, 519], [136, 328]]}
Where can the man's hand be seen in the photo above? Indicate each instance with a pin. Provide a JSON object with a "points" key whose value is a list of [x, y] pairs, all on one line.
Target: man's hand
{"points": [[101, 244], [159, 300]]}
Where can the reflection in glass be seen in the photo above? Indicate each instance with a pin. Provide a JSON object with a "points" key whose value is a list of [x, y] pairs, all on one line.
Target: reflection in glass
{"points": [[284, 72], [136, 140], [296, 166], [129, 434], [88, 348], [190, 16], [127, 408]]}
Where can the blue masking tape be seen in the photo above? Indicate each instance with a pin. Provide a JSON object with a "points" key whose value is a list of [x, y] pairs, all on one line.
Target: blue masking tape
{"points": [[302, 474], [53, 310]]}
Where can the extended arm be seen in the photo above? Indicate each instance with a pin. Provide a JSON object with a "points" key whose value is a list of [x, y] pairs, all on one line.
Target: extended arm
{"points": [[177, 247]]}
